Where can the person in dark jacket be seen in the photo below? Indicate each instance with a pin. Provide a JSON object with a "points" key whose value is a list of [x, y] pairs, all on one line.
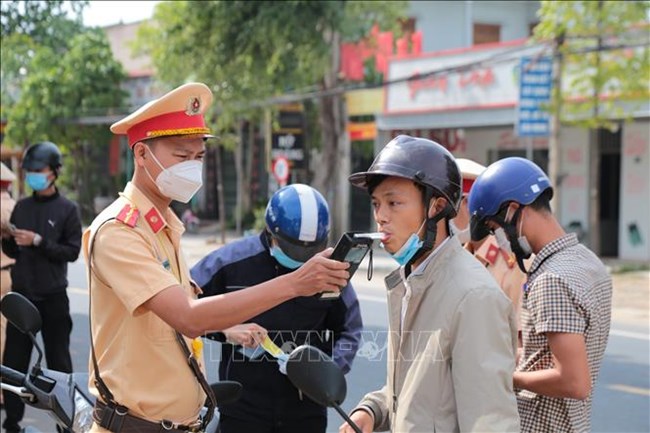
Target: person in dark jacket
{"points": [[297, 227], [45, 234]]}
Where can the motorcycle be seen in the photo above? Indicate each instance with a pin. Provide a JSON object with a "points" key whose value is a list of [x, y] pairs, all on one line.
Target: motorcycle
{"points": [[65, 396], [315, 374]]}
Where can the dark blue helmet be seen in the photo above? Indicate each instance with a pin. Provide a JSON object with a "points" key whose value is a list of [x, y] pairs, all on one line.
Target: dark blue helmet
{"points": [[41, 155], [420, 160], [507, 180], [298, 217]]}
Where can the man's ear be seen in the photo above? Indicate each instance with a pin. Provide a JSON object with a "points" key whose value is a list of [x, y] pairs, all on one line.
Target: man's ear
{"points": [[512, 208], [139, 153], [437, 206]]}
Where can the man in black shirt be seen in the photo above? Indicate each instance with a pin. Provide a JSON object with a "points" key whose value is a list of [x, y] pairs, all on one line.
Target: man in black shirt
{"points": [[45, 235]]}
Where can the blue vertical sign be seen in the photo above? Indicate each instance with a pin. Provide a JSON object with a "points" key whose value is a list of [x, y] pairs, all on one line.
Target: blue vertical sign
{"points": [[535, 80]]}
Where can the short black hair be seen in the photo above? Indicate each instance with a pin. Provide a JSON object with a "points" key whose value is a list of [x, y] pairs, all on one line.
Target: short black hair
{"points": [[373, 181], [543, 201]]}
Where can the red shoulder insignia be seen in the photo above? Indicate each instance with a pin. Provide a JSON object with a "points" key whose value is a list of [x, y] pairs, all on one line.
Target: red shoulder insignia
{"points": [[155, 221], [492, 254], [128, 215]]}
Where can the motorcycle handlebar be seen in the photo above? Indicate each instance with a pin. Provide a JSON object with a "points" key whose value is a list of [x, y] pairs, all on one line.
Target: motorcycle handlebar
{"points": [[11, 376]]}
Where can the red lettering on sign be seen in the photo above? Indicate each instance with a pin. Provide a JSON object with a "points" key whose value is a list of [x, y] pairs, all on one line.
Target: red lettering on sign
{"points": [[480, 77], [417, 84]]}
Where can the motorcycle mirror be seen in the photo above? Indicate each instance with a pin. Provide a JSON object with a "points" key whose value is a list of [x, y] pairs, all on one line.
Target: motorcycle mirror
{"points": [[314, 373], [21, 313], [226, 391]]}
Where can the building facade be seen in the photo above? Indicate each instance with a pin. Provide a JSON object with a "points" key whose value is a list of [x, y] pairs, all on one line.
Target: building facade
{"points": [[473, 112]]}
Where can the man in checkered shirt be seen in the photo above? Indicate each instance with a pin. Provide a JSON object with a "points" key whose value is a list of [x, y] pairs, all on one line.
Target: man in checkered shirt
{"points": [[566, 301]]}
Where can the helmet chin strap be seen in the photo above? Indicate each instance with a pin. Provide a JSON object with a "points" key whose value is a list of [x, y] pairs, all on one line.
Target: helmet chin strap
{"points": [[430, 232], [511, 231]]}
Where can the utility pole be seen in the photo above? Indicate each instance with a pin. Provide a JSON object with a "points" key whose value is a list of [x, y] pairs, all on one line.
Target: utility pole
{"points": [[554, 153], [594, 150]]}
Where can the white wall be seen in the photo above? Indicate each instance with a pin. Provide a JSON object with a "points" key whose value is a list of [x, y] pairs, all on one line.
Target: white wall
{"points": [[448, 24], [442, 23], [635, 192], [513, 16], [574, 170]]}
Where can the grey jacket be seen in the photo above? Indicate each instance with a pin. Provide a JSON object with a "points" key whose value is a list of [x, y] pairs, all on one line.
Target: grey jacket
{"points": [[451, 368]]}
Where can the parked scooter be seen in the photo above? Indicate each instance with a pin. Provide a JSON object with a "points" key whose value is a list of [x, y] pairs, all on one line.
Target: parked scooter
{"points": [[65, 396], [314, 373]]}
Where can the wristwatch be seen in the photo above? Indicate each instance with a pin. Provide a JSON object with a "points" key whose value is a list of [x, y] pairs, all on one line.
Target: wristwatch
{"points": [[37, 240]]}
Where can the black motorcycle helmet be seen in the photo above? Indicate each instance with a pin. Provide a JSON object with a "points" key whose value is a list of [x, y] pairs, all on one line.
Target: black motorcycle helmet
{"points": [[41, 155], [423, 161], [426, 163]]}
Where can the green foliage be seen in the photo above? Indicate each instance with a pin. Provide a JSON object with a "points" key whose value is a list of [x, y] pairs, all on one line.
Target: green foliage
{"points": [[45, 22], [59, 90], [249, 51], [597, 80]]}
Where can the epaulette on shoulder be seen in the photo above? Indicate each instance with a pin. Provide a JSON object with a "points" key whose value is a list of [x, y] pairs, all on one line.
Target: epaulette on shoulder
{"points": [[128, 215]]}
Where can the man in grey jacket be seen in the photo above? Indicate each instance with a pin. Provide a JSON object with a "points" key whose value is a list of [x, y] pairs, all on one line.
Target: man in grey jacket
{"points": [[452, 331]]}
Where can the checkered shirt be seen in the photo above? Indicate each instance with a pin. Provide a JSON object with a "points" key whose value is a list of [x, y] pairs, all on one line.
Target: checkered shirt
{"points": [[569, 291]]}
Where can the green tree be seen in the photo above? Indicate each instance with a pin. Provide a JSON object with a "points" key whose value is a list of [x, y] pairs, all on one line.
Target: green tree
{"points": [[62, 89], [601, 73], [251, 51], [26, 26], [47, 23]]}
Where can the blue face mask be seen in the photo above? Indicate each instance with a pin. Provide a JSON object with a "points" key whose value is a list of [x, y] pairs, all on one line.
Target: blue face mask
{"points": [[284, 259], [408, 250], [37, 181], [410, 247]]}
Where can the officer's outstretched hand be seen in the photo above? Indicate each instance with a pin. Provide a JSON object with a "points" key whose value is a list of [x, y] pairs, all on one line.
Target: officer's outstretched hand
{"points": [[247, 334], [320, 274]]}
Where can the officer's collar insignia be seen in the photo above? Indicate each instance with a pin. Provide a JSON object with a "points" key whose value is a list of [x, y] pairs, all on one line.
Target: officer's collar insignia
{"points": [[128, 215], [193, 106], [155, 221]]}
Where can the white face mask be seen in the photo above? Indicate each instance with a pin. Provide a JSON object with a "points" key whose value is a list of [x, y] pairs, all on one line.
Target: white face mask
{"points": [[462, 235], [523, 241], [502, 239], [180, 181]]}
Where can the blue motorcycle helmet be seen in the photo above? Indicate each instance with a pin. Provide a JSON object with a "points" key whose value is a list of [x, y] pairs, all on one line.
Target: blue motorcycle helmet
{"points": [[298, 218], [507, 180]]}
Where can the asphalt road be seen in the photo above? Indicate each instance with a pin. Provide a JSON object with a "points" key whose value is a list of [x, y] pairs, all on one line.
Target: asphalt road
{"points": [[621, 399]]}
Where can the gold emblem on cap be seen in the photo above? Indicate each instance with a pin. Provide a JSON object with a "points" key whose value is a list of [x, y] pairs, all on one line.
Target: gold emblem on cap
{"points": [[193, 106]]}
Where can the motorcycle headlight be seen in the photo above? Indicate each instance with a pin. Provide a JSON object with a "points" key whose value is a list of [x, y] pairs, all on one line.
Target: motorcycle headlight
{"points": [[83, 414]]}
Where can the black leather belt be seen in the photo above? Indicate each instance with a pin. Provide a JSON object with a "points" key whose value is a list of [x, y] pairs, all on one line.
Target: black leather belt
{"points": [[118, 420]]}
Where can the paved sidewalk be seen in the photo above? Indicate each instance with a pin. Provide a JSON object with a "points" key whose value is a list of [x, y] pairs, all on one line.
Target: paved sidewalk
{"points": [[630, 303]]}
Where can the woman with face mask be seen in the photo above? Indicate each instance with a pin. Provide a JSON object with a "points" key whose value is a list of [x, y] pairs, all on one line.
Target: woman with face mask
{"points": [[146, 358], [452, 335]]}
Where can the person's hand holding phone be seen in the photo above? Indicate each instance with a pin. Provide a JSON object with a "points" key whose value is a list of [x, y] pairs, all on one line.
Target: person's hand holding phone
{"points": [[23, 238]]}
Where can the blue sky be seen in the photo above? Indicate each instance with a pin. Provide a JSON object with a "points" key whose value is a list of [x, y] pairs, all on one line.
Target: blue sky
{"points": [[105, 13]]}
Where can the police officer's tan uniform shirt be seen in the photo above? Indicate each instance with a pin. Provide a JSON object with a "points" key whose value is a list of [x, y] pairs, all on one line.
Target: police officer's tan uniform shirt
{"points": [[503, 267], [139, 357], [7, 204]]}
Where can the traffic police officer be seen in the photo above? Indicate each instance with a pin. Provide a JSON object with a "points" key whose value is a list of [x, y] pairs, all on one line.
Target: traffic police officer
{"points": [[494, 253], [144, 313], [7, 204]]}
